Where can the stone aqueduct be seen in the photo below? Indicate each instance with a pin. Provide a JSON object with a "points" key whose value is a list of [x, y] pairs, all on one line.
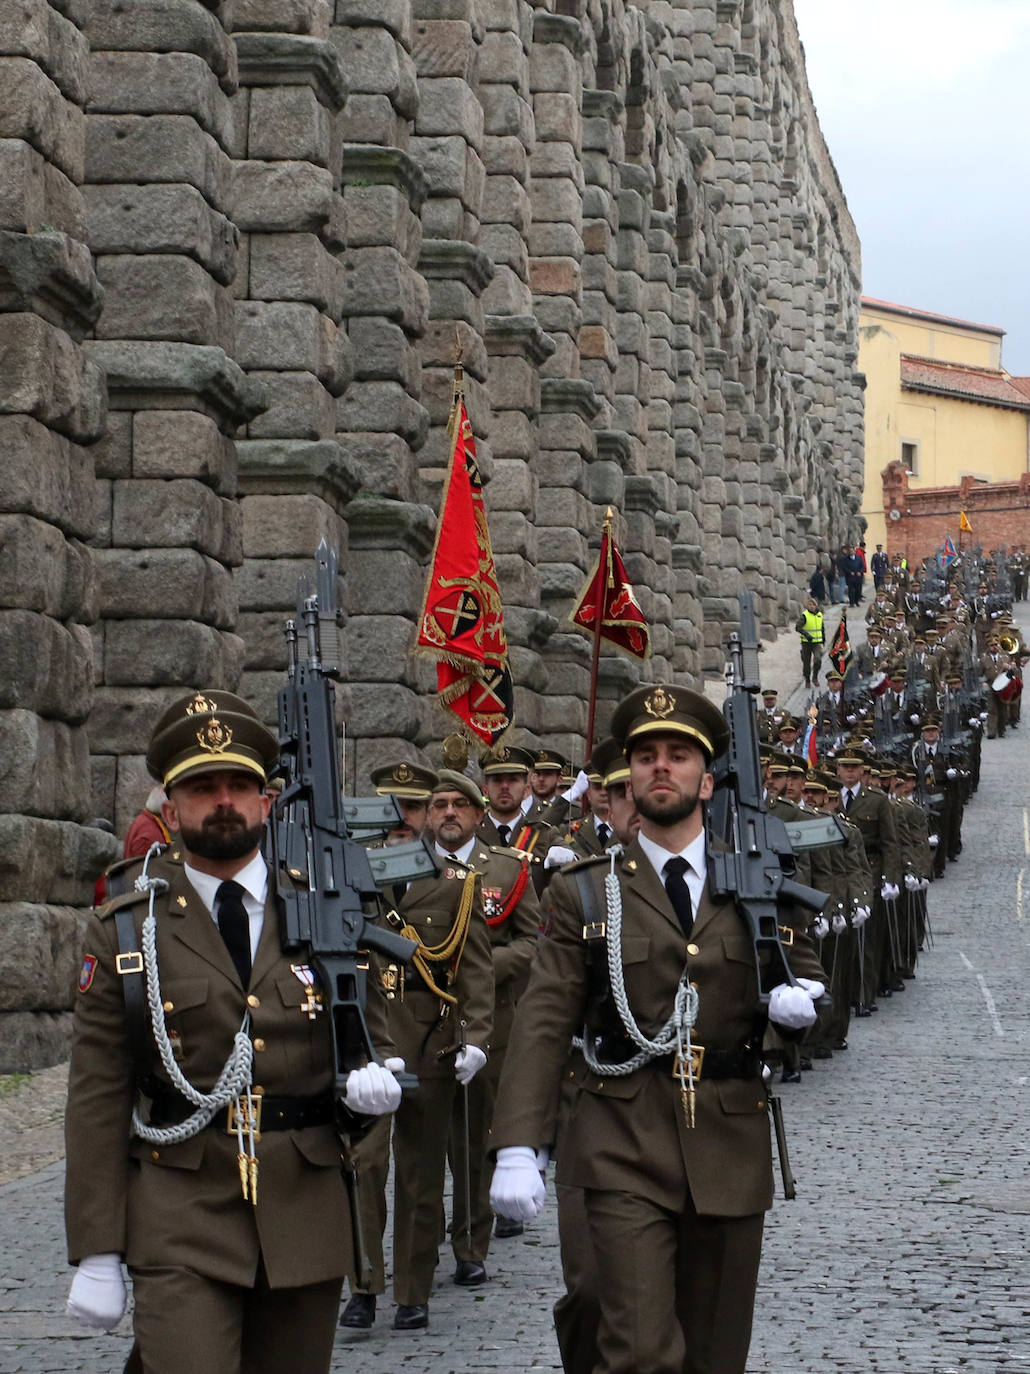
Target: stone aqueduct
{"points": [[240, 242]]}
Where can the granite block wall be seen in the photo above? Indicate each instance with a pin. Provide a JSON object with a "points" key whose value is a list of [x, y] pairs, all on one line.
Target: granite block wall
{"points": [[242, 246]]}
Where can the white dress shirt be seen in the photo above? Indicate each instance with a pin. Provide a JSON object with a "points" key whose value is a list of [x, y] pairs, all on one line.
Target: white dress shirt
{"points": [[254, 881], [696, 855]]}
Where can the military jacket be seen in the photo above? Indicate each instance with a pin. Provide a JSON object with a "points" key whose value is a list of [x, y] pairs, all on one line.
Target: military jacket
{"points": [[421, 1023], [513, 939], [629, 1133], [182, 1204]]}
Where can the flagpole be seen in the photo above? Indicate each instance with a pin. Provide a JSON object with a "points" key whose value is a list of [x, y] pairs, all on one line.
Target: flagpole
{"points": [[603, 578]]}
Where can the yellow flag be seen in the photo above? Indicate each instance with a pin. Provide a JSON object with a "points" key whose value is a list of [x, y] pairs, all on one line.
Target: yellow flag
{"points": [[963, 523]]}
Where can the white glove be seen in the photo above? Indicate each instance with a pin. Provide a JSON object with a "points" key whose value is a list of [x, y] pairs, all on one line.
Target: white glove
{"points": [[889, 891], [984, 715], [581, 785], [851, 719], [839, 925], [911, 882], [859, 916], [468, 1063], [924, 883], [933, 841], [791, 1007], [373, 1090], [517, 1190], [914, 718], [820, 928], [97, 1295], [951, 773], [995, 614], [558, 855], [974, 721]]}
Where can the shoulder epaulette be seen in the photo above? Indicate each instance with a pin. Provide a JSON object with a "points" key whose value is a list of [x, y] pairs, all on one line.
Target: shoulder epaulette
{"points": [[507, 852], [586, 862], [120, 901]]}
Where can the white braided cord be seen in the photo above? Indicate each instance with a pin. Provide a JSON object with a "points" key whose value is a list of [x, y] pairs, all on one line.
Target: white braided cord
{"points": [[673, 1037], [235, 1076]]}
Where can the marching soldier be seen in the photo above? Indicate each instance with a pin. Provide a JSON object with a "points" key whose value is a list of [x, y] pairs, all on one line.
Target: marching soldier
{"points": [[548, 804], [593, 834], [440, 1015], [512, 914], [871, 657], [992, 664], [832, 932], [236, 1241], [870, 811], [410, 784], [770, 717], [505, 780], [674, 1197]]}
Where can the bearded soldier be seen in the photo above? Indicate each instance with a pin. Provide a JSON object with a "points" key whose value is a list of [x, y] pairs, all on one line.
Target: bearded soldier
{"points": [[671, 1147], [237, 1242]]}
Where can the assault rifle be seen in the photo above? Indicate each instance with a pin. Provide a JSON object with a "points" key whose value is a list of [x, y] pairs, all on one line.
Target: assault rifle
{"points": [[757, 868], [323, 877]]}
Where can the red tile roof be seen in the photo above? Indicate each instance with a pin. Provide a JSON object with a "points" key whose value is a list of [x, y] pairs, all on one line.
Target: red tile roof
{"points": [[914, 313], [980, 384]]}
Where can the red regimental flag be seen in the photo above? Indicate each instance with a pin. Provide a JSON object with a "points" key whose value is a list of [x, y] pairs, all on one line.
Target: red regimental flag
{"points": [[840, 649], [811, 749], [608, 600], [462, 623]]}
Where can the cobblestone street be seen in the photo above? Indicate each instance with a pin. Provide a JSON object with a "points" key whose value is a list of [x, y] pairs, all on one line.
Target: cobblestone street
{"points": [[906, 1246]]}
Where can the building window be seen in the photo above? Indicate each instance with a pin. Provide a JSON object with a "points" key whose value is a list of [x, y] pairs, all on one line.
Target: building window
{"points": [[910, 457]]}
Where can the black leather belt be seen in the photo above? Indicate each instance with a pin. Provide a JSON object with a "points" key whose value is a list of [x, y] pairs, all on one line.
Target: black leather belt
{"points": [[731, 1064], [277, 1113]]}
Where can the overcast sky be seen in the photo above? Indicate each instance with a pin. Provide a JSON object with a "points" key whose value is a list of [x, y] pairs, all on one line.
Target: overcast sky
{"points": [[924, 106]]}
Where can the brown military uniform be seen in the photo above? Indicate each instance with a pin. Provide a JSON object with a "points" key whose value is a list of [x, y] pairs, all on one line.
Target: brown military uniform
{"points": [[533, 838], [426, 1031], [178, 1209], [513, 940], [626, 1142]]}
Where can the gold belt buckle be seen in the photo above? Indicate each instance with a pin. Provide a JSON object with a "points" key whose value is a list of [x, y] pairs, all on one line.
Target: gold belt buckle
{"points": [[697, 1058], [239, 1115], [595, 930], [129, 963]]}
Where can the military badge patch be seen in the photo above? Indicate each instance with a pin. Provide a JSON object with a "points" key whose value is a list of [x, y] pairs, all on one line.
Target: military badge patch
{"points": [[492, 903], [89, 968]]}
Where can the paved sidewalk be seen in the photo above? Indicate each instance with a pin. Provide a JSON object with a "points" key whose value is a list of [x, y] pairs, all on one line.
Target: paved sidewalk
{"points": [[906, 1247]]}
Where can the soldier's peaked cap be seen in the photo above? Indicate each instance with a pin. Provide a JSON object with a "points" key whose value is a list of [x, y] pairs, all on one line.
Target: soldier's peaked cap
{"points": [[508, 758], [671, 710], [207, 732], [403, 779], [447, 780], [609, 762], [549, 760], [852, 752]]}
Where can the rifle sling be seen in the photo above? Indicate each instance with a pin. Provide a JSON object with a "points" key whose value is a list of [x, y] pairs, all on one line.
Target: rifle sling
{"points": [[134, 993]]}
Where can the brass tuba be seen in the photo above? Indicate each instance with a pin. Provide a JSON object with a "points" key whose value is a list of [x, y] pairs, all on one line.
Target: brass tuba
{"points": [[1009, 643]]}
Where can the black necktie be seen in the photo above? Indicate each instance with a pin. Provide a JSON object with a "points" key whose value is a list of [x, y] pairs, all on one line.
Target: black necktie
{"points": [[849, 797], [679, 893], [505, 833], [234, 923], [604, 833]]}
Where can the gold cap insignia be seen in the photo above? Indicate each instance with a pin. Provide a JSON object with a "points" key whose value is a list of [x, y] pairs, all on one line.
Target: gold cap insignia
{"points": [[200, 704], [214, 737], [659, 703], [402, 773]]}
